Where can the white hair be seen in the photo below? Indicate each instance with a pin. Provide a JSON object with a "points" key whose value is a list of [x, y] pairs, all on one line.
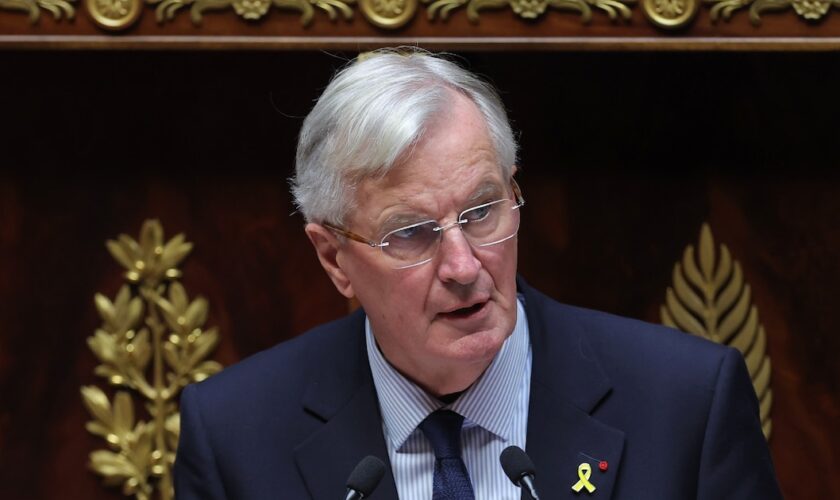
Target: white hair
{"points": [[371, 113]]}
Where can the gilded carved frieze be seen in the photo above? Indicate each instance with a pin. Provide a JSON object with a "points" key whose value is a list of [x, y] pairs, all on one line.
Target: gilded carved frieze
{"points": [[670, 14], [388, 14], [57, 8], [810, 10], [165, 10], [531, 9], [116, 15]]}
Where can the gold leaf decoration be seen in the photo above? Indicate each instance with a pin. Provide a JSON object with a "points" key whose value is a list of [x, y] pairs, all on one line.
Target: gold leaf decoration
{"points": [[710, 298], [114, 15], [151, 344], [252, 9], [388, 14], [810, 10], [531, 9], [57, 8], [670, 14], [149, 261]]}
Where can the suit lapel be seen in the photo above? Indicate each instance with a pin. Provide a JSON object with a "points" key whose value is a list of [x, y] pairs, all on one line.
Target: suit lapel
{"points": [[344, 397], [567, 384], [561, 438]]}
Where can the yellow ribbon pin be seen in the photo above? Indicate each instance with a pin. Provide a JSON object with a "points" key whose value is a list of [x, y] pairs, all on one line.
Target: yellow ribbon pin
{"points": [[584, 471]]}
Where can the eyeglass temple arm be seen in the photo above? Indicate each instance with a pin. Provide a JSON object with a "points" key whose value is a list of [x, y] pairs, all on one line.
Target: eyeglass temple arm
{"points": [[349, 234], [517, 192]]}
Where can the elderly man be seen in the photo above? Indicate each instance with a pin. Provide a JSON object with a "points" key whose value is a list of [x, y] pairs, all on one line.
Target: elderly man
{"points": [[405, 176]]}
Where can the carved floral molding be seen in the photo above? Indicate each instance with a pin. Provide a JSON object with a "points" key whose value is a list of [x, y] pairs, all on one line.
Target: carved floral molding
{"points": [[58, 8], [117, 15]]}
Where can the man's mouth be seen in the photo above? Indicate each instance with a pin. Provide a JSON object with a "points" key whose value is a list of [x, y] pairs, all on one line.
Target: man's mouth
{"points": [[465, 312]]}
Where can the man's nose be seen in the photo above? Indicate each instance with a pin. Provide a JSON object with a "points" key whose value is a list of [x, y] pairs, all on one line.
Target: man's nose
{"points": [[457, 261]]}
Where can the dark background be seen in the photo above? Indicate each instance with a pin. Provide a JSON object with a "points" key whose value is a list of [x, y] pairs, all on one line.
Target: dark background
{"points": [[624, 156]]}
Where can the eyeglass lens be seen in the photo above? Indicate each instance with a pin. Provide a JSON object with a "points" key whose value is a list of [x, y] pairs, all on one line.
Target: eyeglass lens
{"points": [[484, 225]]}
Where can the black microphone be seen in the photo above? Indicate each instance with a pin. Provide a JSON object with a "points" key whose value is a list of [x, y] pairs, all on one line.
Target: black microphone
{"points": [[519, 468], [365, 478]]}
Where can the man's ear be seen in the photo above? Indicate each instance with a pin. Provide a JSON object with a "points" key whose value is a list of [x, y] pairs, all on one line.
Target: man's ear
{"points": [[327, 247]]}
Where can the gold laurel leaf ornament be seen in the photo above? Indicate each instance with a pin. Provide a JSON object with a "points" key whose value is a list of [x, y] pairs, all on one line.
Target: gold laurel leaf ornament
{"points": [[710, 298], [150, 345]]}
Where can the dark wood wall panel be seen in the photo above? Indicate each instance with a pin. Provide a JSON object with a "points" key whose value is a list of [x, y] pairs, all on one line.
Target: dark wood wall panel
{"points": [[624, 156]]}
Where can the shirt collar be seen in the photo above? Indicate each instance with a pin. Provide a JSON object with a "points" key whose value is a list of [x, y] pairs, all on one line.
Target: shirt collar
{"points": [[488, 403]]}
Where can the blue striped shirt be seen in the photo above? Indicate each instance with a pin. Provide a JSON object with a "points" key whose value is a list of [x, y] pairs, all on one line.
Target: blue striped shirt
{"points": [[495, 410]]}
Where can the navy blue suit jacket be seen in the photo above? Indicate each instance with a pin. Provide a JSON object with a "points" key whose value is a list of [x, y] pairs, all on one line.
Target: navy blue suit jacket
{"points": [[675, 417]]}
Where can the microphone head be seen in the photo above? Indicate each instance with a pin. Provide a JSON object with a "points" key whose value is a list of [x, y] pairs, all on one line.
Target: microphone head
{"points": [[366, 476], [516, 464]]}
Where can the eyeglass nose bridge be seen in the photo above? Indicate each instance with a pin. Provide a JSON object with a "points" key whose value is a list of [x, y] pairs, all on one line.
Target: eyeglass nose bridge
{"points": [[442, 229]]}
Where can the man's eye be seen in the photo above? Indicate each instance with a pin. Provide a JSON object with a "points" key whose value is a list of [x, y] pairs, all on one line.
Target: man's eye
{"points": [[407, 232], [478, 214], [415, 232]]}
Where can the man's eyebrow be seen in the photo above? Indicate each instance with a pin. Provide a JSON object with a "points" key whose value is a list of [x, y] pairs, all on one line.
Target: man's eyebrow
{"points": [[402, 219], [485, 189]]}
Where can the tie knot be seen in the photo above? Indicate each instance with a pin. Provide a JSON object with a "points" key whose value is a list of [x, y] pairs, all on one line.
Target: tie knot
{"points": [[443, 429]]}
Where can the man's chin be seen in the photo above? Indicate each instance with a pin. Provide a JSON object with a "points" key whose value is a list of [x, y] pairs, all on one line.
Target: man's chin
{"points": [[476, 347]]}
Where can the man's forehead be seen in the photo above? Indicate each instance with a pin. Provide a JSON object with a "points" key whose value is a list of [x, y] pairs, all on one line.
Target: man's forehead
{"points": [[428, 174], [452, 163]]}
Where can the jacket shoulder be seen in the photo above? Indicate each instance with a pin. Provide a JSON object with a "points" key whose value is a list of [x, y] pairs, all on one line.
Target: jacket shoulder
{"points": [[632, 348], [283, 370]]}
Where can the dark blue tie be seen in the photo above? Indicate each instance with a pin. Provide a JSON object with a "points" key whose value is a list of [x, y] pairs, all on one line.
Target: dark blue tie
{"points": [[451, 482]]}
